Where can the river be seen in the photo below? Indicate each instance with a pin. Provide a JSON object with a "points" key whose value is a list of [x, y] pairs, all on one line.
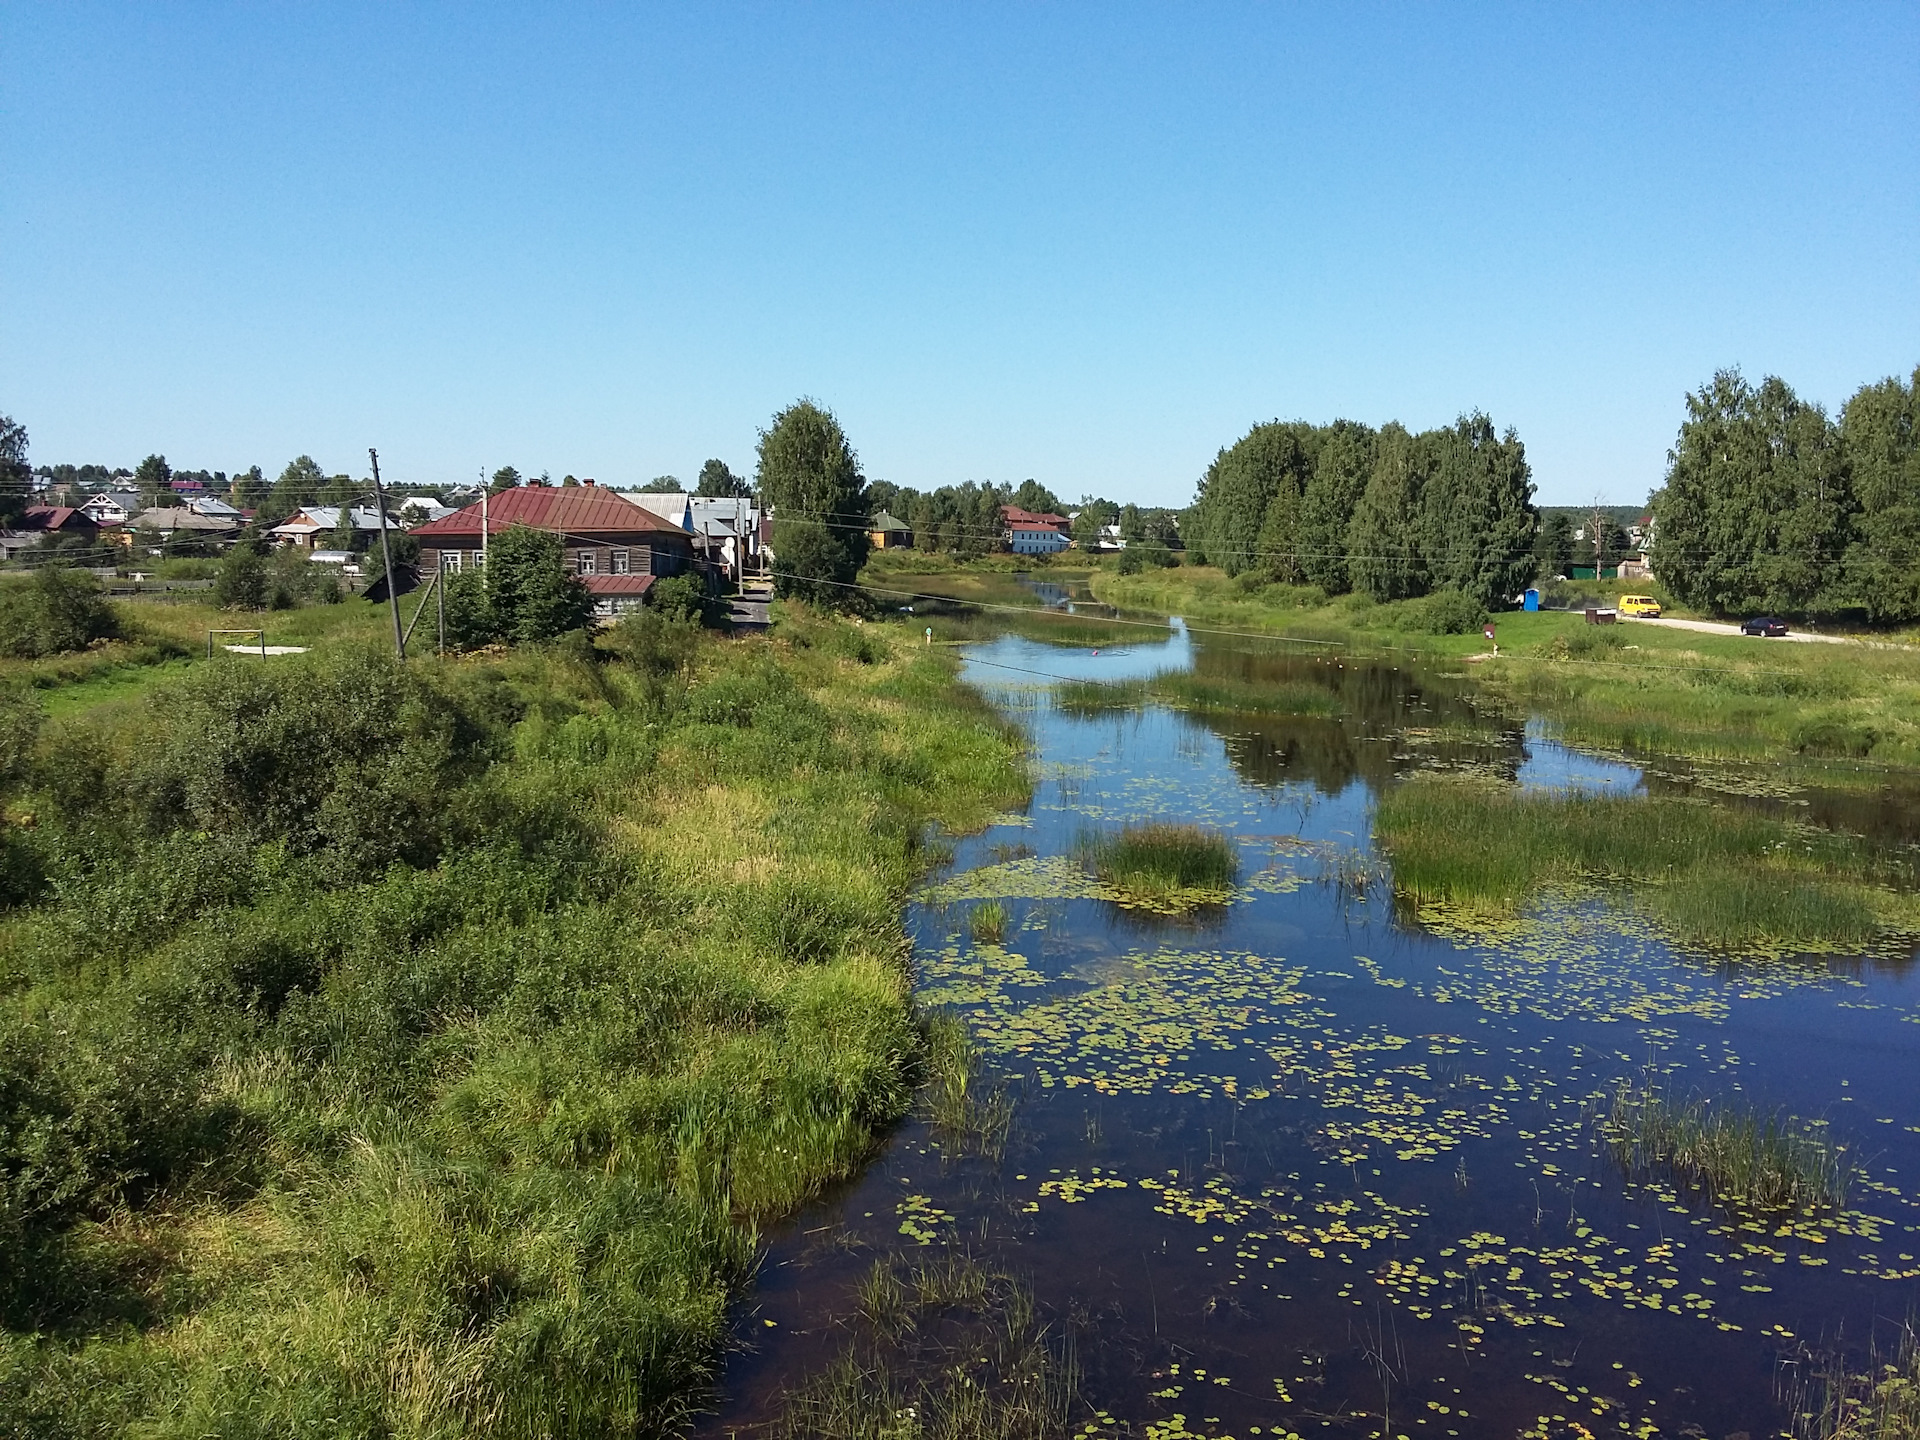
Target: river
{"points": [[1316, 1162]]}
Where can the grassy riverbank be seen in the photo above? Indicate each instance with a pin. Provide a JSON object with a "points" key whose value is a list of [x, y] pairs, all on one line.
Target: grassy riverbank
{"points": [[409, 1052], [1636, 687]]}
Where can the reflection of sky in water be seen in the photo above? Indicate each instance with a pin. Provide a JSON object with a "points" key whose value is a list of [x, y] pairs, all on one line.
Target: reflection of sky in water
{"points": [[1552, 766], [1013, 661]]}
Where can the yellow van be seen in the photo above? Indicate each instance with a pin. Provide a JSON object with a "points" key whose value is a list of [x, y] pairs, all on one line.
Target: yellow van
{"points": [[1643, 606]]}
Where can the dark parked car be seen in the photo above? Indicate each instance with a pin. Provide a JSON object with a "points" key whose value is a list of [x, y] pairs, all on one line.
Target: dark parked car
{"points": [[1763, 625]]}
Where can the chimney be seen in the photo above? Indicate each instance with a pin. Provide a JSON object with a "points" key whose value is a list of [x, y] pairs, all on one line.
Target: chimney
{"points": [[587, 483]]}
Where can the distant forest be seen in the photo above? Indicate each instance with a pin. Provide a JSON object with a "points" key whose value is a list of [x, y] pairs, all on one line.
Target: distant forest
{"points": [[1385, 512]]}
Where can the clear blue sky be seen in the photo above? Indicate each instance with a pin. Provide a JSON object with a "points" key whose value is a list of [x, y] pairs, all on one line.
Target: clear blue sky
{"points": [[1088, 244]]}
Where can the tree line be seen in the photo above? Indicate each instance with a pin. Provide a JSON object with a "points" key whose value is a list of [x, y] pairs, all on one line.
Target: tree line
{"points": [[1387, 513], [1771, 505]]}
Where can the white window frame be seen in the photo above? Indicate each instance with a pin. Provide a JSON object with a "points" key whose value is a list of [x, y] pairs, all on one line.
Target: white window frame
{"points": [[450, 561], [620, 562], [583, 562]]}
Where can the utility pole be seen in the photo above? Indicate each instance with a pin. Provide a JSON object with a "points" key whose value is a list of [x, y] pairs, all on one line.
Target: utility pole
{"points": [[386, 556], [485, 527]]}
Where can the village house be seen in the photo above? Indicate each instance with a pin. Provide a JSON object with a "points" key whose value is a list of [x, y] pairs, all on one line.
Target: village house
{"points": [[314, 526], [40, 521], [890, 532], [616, 547], [1029, 534], [112, 507]]}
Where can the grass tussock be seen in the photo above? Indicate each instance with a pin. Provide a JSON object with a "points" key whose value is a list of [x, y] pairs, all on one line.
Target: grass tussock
{"points": [[987, 922], [1163, 862], [1183, 690], [945, 1350], [1732, 1155], [1710, 875], [970, 1111], [416, 1050], [1830, 1399]]}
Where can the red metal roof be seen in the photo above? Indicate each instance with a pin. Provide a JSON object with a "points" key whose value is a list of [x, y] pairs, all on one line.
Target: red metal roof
{"points": [[1016, 516], [567, 509], [54, 517], [617, 584]]}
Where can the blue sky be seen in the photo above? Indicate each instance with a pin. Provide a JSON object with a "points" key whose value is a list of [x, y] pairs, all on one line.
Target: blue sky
{"points": [[1088, 244]]}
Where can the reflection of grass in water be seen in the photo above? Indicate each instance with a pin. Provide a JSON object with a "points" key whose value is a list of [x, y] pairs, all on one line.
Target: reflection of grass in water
{"points": [[1735, 1155], [1713, 875], [1829, 1400], [1162, 861], [987, 922], [967, 1110], [949, 1350]]}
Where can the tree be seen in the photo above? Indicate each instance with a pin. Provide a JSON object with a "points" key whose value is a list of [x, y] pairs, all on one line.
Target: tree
{"points": [[1032, 496], [1235, 517], [1553, 549], [1758, 508], [530, 596], [718, 481], [1095, 514], [242, 581], [505, 478], [809, 476], [1881, 430], [299, 485], [15, 475], [343, 537], [1383, 547], [663, 485], [61, 611], [154, 480], [249, 490], [1477, 517], [1332, 494]]}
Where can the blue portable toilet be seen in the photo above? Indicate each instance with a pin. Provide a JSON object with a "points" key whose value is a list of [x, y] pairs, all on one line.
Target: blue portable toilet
{"points": [[1531, 600]]}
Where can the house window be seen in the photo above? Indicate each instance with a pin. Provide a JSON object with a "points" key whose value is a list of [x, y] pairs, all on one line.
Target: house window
{"points": [[619, 562], [450, 561], [583, 562], [476, 558]]}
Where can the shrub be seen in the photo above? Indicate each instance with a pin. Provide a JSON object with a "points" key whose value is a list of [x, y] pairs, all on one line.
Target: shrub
{"points": [[242, 581], [682, 598], [60, 611], [1448, 612]]}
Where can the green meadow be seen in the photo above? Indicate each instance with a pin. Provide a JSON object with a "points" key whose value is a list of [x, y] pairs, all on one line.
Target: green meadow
{"points": [[419, 1050]]}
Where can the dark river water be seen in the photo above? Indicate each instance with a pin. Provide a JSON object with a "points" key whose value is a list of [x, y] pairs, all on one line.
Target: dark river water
{"points": [[1314, 1163]]}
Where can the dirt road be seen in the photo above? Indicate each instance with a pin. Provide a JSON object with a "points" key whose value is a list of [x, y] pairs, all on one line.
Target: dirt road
{"points": [[1718, 627]]}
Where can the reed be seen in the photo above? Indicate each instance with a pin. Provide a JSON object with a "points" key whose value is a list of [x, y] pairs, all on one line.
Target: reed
{"points": [[1714, 876], [1828, 1399], [1732, 1155], [1160, 860], [987, 922], [969, 1111], [949, 1350]]}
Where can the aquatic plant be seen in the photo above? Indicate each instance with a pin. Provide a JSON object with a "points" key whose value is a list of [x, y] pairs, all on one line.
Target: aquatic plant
{"points": [[987, 922], [950, 1350], [1828, 1399], [1734, 1155], [1099, 697], [1159, 860], [1714, 876], [968, 1111]]}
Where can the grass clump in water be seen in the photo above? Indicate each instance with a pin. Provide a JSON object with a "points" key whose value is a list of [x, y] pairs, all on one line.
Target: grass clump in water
{"points": [[1831, 1400], [987, 922], [968, 1111], [946, 1350], [1733, 1155], [1712, 875], [1159, 861]]}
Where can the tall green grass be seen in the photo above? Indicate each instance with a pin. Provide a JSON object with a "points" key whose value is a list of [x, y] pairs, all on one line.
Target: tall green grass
{"points": [[1829, 1398], [1711, 874], [1731, 1154], [418, 1052], [1183, 690], [1162, 861]]}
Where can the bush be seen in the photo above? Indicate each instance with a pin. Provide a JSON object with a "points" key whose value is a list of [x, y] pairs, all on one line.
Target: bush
{"points": [[242, 581], [1449, 612], [682, 598], [58, 612]]}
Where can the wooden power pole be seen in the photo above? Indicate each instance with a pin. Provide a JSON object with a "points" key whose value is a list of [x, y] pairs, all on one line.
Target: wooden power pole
{"points": [[386, 557]]}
